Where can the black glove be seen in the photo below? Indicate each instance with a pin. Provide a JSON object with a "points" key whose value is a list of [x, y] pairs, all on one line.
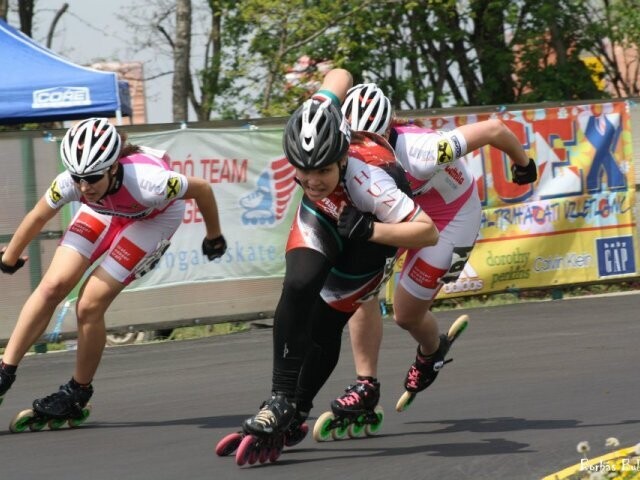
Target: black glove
{"points": [[354, 224], [214, 248], [10, 269], [524, 175]]}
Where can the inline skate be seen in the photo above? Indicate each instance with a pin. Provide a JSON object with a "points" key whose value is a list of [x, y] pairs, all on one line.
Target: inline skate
{"points": [[264, 435], [426, 368], [70, 404], [354, 414]]}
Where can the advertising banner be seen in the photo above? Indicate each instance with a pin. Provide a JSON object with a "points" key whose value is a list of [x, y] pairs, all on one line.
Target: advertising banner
{"points": [[256, 196], [576, 224]]}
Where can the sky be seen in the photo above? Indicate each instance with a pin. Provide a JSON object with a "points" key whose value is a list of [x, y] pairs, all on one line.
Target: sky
{"points": [[91, 31]]}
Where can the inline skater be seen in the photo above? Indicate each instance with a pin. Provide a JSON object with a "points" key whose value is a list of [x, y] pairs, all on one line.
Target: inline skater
{"points": [[344, 238], [132, 204], [447, 192]]}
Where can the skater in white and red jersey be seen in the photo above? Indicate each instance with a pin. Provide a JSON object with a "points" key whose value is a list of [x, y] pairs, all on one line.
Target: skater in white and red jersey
{"points": [[132, 204], [447, 192]]}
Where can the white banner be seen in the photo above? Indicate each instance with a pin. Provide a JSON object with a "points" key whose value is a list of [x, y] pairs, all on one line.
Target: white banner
{"points": [[256, 196]]}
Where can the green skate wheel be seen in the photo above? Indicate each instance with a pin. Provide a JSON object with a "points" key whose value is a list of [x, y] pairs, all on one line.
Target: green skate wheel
{"points": [[322, 427], [37, 426], [373, 428], [21, 421], [340, 432], [75, 422], [56, 423], [356, 429]]}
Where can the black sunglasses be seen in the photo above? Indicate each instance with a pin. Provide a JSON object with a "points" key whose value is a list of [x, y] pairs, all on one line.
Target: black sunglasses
{"points": [[90, 179]]}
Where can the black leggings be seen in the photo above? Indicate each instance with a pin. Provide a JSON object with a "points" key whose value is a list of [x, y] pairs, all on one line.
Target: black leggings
{"points": [[307, 332]]}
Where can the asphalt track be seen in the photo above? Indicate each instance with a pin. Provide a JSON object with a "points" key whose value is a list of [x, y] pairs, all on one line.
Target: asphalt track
{"points": [[529, 381]]}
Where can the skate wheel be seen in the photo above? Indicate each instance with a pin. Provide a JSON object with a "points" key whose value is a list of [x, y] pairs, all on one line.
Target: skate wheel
{"points": [[21, 421], [37, 426], [56, 423], [276, 451], [459, 326], [275, 455], [75, 422], [373, 428], [254, 454], [229, 444], [322, 427], [264, 454], [341, 431], [405, 400], [356, 429], [245, 448]]}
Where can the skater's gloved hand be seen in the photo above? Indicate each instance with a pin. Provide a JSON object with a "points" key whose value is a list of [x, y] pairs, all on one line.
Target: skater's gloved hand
{"points": [[524, 175], [214, 248], [354, 224], [11, 269]]}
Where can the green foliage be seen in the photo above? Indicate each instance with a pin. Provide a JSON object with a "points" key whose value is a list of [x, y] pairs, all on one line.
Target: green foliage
{"points": [[423, 53]]}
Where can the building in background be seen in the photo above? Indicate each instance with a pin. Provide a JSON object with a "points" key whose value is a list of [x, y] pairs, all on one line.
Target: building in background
{"points": [[133, 73]]}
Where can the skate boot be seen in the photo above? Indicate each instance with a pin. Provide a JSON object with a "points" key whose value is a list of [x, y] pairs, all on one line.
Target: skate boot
{"points": [[70, 404], [295, 433], [297, 430], [265, 433], [356, 413], [6, 380], [425, 369], [274, 417]]}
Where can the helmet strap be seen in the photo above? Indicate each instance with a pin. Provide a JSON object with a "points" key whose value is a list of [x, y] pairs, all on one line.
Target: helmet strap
{"points": [[115, 180], [343, 168]]}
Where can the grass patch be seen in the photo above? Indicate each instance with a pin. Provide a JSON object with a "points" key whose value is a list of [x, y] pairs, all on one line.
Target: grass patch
{"points": [[201, 331]]}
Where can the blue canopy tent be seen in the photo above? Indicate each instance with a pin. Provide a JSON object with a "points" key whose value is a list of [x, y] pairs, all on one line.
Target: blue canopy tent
{"points": [[37, 85]]}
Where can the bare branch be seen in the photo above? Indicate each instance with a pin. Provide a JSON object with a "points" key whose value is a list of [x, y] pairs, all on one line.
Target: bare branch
{"points": [[166, 35], [54, 23]]}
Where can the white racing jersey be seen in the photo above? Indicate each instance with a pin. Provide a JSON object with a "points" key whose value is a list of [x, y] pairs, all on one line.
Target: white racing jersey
{"points": [[134, 224], [432, 160], [146, 186], [368, 185]]}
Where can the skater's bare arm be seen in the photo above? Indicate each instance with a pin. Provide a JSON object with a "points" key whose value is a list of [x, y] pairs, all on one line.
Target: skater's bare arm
{"points": [[495, 133], [28, 229], [418, 233], [337, 81], [201, 191]]}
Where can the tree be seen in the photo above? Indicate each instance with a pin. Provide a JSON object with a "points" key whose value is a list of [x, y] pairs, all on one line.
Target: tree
{"points": [[424, 53], [181, 56], [613, 28], [4, 9], [230, 58]]}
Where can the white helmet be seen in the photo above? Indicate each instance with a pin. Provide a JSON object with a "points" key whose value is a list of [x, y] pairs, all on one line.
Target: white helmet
{"points": [[90, 146], [367, 108]]}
